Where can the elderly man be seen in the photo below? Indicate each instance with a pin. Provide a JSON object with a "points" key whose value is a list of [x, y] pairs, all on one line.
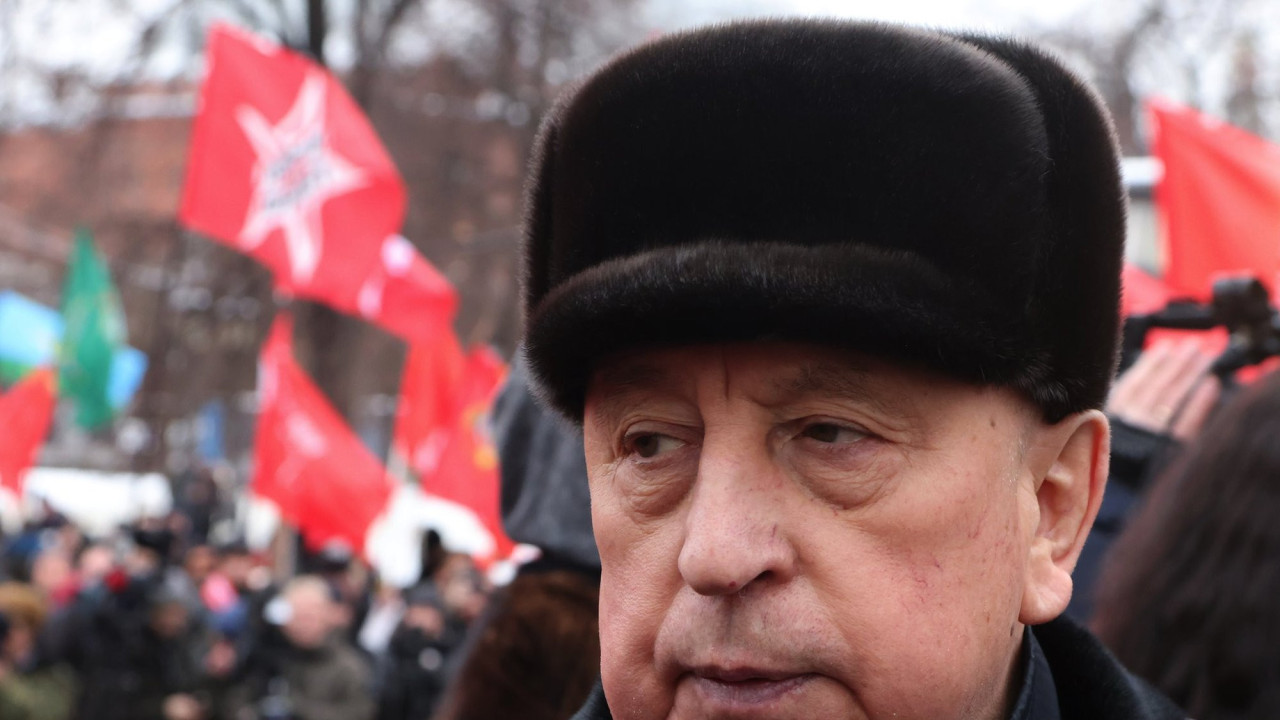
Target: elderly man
{"points": [[836, 307]]}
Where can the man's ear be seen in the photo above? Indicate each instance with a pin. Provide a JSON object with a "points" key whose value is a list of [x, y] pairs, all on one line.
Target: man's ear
{"points": [[1074, 456]]}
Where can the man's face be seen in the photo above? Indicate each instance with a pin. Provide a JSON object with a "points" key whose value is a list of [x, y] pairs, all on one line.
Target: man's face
{"points": [[311, 618], [792, 532]]}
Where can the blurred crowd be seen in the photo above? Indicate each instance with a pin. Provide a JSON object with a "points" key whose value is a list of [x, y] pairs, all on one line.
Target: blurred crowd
{"points": [[156, 622]]}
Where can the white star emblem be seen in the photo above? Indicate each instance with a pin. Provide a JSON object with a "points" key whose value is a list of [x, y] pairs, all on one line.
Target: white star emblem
{"points": [[295, 174]]}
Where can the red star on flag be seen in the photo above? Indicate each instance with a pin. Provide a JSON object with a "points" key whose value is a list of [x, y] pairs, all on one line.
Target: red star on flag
{"points": [[297, 171], [285, 168]]}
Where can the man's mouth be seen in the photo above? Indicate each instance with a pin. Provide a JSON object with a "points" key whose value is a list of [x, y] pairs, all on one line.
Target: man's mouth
{"points": [[744, 686]]}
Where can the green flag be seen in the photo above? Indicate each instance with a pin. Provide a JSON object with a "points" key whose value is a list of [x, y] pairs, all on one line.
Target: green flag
{"points": [[94, 329]]}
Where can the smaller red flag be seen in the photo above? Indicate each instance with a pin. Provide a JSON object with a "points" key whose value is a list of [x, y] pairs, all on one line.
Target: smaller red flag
{"points": [[443, 427], [1143, 293], [26, 412], [468, 470], [1219, 200], [428, 401], [306, 460]]}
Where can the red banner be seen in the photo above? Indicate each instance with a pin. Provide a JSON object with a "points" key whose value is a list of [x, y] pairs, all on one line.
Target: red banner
{"points": [[1142, 293], [1219, 200], [443, 428], [26, 412], [283, 166], [306, 460]]}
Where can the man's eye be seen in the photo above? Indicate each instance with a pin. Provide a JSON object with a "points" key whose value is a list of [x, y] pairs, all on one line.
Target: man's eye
{"points": [[830, 433], [651, 445]]}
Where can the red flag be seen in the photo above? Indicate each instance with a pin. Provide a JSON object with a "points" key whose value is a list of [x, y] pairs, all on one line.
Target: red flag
{"points": [[306, 460], [468, 470], [283, 166], [1219, 200], [1142, 293], [26, 412], [428, 402], [443, 428]]}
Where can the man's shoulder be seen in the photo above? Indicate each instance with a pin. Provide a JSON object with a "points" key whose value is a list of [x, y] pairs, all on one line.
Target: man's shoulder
{"points": [[1092, 684]]}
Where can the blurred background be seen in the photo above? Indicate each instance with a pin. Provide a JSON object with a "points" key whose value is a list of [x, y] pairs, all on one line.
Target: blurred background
{"points": [[97, 96]]}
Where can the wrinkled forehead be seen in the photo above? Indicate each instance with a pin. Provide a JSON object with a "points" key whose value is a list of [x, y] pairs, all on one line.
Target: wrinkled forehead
{"points": [[771, 373], [777, 374]]}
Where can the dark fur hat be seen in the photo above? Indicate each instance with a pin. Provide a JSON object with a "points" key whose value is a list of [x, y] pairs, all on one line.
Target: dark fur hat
{"points": [[949, 200]]}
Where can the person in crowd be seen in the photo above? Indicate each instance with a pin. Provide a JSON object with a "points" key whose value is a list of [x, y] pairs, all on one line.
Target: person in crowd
{"points": [[198, 563], [350, 581], [32, 687], [53, 575], [464, 591], [413, 672], [1187, 598], [144, 661], [198, 499], [431, 554], [93, 563], [835, 304], [317, 675], [150, 551], [536, 654]]}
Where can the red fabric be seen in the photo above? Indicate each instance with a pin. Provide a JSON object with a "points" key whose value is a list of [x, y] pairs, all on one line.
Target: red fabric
{"points": [[428, 402], [443, 428], [1219, 200], [284, 166], [1143, 293], [26, 412], [1146, 294], [468, 471], [306, 460]]}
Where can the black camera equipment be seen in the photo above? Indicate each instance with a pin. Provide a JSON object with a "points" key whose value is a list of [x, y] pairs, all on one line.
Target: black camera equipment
{"points": [[1240, 304]]}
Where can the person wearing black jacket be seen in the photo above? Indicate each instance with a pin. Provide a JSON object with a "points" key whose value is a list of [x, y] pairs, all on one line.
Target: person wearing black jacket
{"points": [[414, 676], [835, 305]]}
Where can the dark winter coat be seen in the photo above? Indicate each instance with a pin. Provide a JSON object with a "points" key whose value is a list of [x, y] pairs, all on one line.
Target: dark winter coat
{"points": [[1068, 676], [414, 677], [330, 683]]}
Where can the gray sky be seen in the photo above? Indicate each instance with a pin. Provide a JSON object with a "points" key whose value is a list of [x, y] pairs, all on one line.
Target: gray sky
{"points": [[95, 37], [996, 15]]}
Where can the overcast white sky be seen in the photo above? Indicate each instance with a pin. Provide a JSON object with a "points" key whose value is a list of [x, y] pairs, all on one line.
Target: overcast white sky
{"points": [[997, 15], [96, 37]]}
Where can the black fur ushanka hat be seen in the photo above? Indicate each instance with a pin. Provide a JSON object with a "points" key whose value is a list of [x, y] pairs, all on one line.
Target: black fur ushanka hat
{"points": [[950, 200]]}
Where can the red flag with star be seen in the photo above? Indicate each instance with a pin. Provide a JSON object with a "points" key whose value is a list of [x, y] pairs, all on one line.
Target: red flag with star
{"points": [[26, 412], [283, 166], [306, 460]]}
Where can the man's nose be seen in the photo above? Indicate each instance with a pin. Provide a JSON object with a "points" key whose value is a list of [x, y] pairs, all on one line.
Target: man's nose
{"points": [[735, 536]]}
